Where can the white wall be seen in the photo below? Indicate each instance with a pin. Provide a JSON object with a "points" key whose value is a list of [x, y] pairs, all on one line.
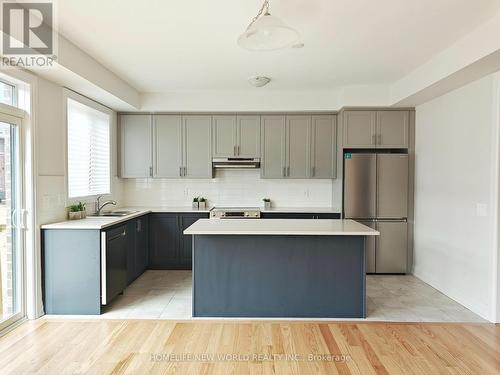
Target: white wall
{"points": [[52, 196], [456, 195], [232, 188]]}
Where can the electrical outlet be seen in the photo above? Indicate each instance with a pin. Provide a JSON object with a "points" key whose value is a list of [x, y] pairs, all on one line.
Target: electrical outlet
{"points": [[481, 210]]}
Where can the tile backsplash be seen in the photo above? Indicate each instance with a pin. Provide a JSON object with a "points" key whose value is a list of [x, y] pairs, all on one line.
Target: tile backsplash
{"points": [[230, 188]]}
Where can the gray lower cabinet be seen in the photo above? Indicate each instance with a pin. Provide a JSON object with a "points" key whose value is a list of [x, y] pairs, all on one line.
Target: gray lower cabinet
{"points": [[71, 273], [135, 146], [115, 258], [197, 146], [137, 247], [391, 247], [324, 147], [83, 269], [376, 129], [169, 247], [167, 146]]}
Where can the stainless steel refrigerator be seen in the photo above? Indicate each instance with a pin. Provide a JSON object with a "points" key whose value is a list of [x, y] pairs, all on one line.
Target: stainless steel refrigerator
{"points": [[376, 194]]}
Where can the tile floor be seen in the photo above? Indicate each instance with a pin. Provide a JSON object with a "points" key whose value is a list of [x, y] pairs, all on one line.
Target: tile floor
{"points": [[167, 295]]}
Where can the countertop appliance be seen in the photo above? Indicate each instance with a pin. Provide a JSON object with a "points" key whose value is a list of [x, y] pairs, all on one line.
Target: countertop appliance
{"points": [[376, 194], [234, 213], [236, 163]]}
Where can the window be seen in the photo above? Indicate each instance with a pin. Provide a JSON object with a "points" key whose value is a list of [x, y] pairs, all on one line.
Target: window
{"points": [[7, 93], [88, 150]]}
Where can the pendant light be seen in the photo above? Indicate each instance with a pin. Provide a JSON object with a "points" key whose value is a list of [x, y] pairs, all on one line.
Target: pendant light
{"points": [[267, 32]]}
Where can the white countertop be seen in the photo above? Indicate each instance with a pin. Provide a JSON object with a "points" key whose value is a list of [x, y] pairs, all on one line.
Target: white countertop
{"points": [[106, 221], [286, 227], [102, 222]]}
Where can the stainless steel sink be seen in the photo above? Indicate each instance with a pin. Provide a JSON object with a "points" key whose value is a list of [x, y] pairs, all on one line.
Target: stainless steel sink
{"points": [[116, 213]]}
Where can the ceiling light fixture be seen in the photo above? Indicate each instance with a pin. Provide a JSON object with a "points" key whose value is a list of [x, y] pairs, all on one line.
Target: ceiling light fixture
{"points": [[259, 81], [267, 33]]}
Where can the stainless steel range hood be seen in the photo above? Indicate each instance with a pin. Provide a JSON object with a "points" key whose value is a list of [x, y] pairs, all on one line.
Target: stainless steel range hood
{"points": [[236, 163]]}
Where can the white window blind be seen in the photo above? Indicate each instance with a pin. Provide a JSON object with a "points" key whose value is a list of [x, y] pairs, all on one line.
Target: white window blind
{"points": [[88, 150]]}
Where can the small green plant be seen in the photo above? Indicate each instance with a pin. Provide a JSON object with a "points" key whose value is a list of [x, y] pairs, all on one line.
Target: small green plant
{"points": [[201, 199], [74, 208], [77, 207], [266, 200], [196, 199]]}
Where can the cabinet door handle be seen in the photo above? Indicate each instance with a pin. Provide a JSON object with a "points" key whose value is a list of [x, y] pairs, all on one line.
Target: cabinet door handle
{"points": [[313, 171], [139, 225], [234, 151], [238, 148], [185, 171], [284, 171], [180, 171], [150, 171], [288, 171]]}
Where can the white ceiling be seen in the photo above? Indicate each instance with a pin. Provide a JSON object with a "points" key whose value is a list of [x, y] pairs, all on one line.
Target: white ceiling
{"points": [[190, 45]]}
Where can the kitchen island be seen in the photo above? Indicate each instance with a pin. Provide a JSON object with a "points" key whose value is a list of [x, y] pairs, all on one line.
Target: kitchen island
{"points": [[279, 268]]}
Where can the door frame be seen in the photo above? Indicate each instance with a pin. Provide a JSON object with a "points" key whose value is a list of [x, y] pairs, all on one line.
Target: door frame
{"points": [[15, 116]]}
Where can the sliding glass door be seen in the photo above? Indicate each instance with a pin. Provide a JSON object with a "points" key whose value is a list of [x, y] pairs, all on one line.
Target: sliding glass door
{"points": [[11, 246]]}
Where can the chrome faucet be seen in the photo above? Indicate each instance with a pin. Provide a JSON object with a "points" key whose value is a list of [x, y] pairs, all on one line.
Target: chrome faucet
{"points": [[99, 206]]}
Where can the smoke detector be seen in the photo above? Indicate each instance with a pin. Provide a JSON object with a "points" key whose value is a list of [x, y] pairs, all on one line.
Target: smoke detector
{"points": [[259, 81]]}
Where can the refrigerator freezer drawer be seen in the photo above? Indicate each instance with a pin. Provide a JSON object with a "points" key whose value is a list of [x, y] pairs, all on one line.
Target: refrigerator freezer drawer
{"points": [[391, 247]]}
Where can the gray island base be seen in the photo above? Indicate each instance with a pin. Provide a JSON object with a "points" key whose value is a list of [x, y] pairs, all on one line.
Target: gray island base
{"points": [[319, 272]]}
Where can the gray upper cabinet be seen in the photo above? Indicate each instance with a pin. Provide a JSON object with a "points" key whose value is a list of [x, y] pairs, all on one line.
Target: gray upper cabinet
{"points": [[324, 147], [135, 150], [273, 146], [224, 136], [236, 136], [298, 143], [167, 150], [197, 153], [248, 136], [359, 129], [375, 129], [392, 129]]}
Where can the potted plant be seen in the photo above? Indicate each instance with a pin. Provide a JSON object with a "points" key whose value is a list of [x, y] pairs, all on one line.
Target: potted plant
{"points": [[74, 212], [267, 203], [202, 203], [83, 211], [195, 203]]}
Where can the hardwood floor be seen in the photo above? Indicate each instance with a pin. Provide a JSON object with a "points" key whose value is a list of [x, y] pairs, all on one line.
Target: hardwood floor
{"points": [[249, 347]]}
